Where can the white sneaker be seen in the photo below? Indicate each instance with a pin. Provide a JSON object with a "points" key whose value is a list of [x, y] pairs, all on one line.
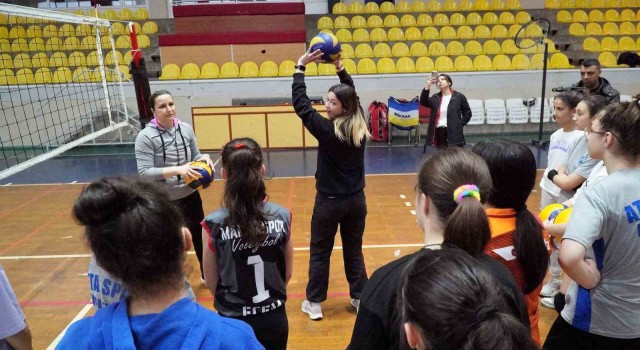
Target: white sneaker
{"points": [[313, 309], [551, 288], [548, 302], [356, 304]]}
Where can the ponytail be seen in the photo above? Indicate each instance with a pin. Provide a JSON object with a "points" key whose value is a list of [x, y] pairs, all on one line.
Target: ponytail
{"points": [[245, 189], [468, 226], [512, 334]]}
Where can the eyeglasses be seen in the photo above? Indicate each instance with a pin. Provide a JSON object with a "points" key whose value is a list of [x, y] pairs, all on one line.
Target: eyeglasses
{"points": [[589, 132]]}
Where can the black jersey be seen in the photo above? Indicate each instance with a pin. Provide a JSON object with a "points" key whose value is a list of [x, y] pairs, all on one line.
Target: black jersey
{"points": [[251, 277]]}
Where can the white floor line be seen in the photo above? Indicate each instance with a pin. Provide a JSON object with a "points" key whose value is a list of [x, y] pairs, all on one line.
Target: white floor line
{"points": [[80, 315], [403, 196], [413, 212], [407, 204]]}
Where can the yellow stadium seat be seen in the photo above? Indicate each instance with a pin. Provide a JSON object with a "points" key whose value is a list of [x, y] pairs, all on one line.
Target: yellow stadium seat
{"points": [[110, 60], [366, 66], [39, 60], [482, 32], [444, 64], [375, 21], [144, 41], [149, 27], [141, 14], [506, 18], [490, 18], [80, 74], [447, 32], [5, 46], [341, 22], [530, 46], [465, 32], [550, 44], [17, 32], [268, 69], [170, 72], [381, 50], [49, 31], [418, 49], [465, 5], [501, 62], [231, 70], [628, 15], [424, 20], [450, 5], [88, 43], [407, 21], [568, 4], [92, 59], [355, 8], [473, 47], [607, 59], [326, 69], [42, 76], [627, 44], [391, 21], [286, 68], [339, 8], [109, 14], [66, 30], [405, 65], [4, 32], [400, 50], [137, 26], [36, 44], [597, 3], [123, 42], [437, 48], [54, 44], [125, 14], [378, 34], [403, 7], [497, 5], [34, 31], [608, 44], [559, 60], [499, 31], [249, 69], [61, 75], [580, 16], [481, 5], [371, 7], [71, 43], [77, 59], [596, 16], [357, 22], [364, 50], [24, 76], [533, 31], [514, 29], [418, 6], [457, 19], [22, 60], [628, 3], [612, 16], [455, 48], [612, 3], [523, 17], [430, 33], [387, 7], [537, 61], [583, 3], [434, 6], [360, 35], [627, 28], [491, 47], [424, 65], [564, 16], [521, 62], [610, 28], [347, 51], [83, 30], [413, 34], [440, 19], [19, 45], [7, 77], [386, 66], [509, 47], [577, 29], [344, 36], [117, 28], [463, 64], [513, 5], [350, 66]]}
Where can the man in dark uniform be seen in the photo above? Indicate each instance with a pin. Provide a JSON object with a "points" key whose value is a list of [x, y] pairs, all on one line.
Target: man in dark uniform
{"points": [[592, 82]]}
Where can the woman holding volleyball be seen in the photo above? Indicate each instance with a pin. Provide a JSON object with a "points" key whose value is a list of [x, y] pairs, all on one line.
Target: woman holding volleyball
{"points": [[340, 198], [164, 149]]}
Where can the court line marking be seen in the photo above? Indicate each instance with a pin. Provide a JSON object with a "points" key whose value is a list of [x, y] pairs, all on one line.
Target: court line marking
{"points": [[403, 196], [80, 315], [407, 204]]}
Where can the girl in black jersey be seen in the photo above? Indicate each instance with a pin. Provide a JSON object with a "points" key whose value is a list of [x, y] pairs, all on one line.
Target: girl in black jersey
{"points": [[248, 254], [340, 198]]}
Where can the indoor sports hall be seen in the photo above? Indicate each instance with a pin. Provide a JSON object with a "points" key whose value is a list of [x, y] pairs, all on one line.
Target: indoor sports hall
{"points": [[72, 75]]}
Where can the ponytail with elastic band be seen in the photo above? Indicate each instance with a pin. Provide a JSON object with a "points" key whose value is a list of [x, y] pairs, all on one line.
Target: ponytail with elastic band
{"points": [[466, 191]]}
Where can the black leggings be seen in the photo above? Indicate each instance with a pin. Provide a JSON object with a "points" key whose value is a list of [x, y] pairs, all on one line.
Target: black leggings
{"points": [[191, 208], [563, 336], [271, 329]]}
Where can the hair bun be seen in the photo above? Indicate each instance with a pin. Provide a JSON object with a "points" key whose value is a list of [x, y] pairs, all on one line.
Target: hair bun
{"points": [[102, 201]]}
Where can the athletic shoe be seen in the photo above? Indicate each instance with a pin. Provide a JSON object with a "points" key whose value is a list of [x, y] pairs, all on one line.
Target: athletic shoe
{"points": [[548, 302], [313, 309], [356, 304], [551, 288]]}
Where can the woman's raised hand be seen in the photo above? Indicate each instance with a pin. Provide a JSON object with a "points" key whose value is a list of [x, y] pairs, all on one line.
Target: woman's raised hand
{"points": [[309, 57]]}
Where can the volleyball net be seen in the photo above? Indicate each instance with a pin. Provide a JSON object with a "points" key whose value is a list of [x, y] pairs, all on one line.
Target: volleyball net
{"points": [[60, 85]]}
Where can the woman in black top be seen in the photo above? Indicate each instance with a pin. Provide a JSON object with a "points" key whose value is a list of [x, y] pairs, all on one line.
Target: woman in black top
{"points": [[445, 128], [340, 198]]}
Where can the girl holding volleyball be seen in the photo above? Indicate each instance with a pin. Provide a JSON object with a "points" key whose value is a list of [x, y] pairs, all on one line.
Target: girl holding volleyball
{"points": [[248, 255], [340, 198]]}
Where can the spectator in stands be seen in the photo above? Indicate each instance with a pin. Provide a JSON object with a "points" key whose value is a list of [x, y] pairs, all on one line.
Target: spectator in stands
{"points": [[448, 301], [593, 83], [14, 331], [451, 185], [137, 235], [450, 112], [600, 246]]}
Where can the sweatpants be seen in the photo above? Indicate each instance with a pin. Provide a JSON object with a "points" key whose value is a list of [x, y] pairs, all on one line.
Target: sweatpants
{"points": [[191, 208]]}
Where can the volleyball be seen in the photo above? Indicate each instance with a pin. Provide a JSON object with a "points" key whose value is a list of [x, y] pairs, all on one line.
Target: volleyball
{"points": [[551, 211], [328, 44], [563, 216], [206, 176]]}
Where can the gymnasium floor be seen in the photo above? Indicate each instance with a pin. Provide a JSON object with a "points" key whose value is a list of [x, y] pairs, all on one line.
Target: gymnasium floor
{"points": [[45, 257]]}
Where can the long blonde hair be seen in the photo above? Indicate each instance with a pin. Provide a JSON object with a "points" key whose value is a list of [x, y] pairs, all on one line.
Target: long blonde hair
{"points": [[351, 127]]}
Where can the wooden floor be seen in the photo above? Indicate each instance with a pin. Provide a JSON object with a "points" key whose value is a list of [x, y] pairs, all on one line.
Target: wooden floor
{"points": [[44, 255]]}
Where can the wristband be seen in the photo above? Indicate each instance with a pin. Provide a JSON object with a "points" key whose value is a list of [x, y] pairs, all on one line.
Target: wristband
{"points": [[300, 67], [551, 174]]}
